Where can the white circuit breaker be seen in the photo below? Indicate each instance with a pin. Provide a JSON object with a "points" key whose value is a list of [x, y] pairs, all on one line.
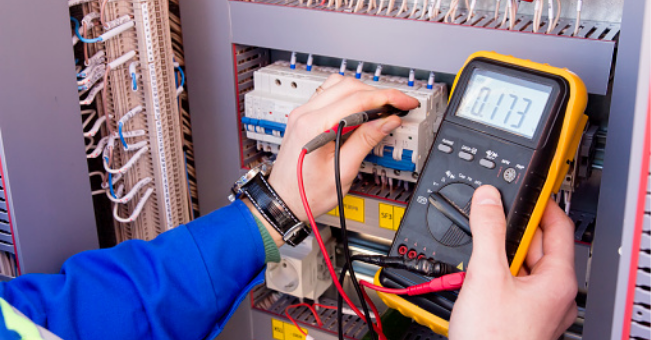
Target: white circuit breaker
{"points": [[278, 90]]}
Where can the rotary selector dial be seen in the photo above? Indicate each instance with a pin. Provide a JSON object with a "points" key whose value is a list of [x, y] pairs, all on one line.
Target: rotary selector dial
{"points": [[456, 196]]}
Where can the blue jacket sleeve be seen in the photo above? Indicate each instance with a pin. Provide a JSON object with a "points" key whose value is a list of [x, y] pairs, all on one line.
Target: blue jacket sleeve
{"points": [[177, 286]]}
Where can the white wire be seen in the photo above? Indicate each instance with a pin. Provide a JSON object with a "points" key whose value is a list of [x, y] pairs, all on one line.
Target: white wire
{"points": [[497, 9], [567, 198], [93, 131], [126, 198], [129, 164], [413, 10], [91, 95], [136, 211], [92, 114], [471, 10], [451, 11], [577, 23], [100, 147]]}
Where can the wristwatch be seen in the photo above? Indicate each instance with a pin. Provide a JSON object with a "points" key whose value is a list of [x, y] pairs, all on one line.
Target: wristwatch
{"points": [[256, 188]]}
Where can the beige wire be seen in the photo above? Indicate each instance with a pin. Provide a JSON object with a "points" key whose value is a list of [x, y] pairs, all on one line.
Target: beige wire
{"points": [[497, 9], [413, 10], [403, 7]]}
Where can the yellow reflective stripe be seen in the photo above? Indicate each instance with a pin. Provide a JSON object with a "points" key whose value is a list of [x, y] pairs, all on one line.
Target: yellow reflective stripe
{"points": [[25, 327]]}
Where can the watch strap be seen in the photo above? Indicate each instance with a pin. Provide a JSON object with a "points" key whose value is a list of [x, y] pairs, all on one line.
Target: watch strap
{"points": [[275, 211]]}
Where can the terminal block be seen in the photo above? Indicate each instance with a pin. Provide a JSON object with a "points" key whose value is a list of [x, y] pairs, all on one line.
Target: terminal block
{"points": [[279, 89]]}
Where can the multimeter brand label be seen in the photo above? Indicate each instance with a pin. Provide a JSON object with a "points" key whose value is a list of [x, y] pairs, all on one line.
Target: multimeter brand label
{"points": [[286, 331]]}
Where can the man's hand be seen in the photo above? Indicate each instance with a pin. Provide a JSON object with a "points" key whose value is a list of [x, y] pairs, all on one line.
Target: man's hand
{"points": [[539, 302], [340, 98]]}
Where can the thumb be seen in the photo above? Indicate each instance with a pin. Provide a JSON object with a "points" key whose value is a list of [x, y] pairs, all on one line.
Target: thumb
{"points": [[488, 226], [363, 140]]}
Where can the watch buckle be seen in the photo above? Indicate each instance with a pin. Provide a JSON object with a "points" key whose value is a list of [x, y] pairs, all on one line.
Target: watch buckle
{"points": [[293, 230]]}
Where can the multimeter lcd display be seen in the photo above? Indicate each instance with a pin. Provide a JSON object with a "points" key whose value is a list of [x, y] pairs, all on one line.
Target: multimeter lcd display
{"points": [[504, 102]]}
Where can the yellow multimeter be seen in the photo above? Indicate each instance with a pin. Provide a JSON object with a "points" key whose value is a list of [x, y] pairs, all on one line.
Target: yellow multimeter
{"points": [[510, 123]]}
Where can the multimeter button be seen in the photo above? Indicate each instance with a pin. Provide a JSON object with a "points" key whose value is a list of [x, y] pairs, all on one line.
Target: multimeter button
{"points": [[509, 175], [486, 163], [444, 148], [466, 156]]}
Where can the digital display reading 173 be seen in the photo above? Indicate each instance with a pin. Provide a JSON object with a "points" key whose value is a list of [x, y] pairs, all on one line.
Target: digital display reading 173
{"points": [[504, 102]]}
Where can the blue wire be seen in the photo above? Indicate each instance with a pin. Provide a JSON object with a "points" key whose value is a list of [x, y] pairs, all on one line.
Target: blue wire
{"points": [[84, 40], [182, 76], [124, 142], [134, 83], [110, 182]]}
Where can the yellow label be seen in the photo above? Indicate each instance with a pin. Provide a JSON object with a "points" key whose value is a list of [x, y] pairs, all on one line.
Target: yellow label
{"points": [[292, 333], [354, 208], [398, 212], [334, 212], [278, 329], [286, 331], [385, 216], [460, 266]]}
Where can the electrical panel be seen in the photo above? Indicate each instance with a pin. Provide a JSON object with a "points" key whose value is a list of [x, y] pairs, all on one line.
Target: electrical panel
{"points": [[130, 89], [132, 107], [270, 44]]}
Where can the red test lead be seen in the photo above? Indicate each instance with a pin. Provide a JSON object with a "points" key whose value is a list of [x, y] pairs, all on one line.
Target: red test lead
{"points": [[446, 282]]}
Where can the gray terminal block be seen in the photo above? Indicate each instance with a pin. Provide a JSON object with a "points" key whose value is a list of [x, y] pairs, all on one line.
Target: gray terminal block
{"points": [[640, 331], [642, 296], [643, 278], [646, 226], [645, 242], [641, 314], [644, 261]]}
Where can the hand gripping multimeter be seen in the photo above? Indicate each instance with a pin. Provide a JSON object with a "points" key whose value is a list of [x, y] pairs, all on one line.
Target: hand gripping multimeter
{"points": [[510, 123]]}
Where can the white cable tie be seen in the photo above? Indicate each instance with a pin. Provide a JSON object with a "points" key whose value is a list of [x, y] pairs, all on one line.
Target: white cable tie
{"points": [[100, 147], [75, 39], [117, 22], [91, 95], [95, 128], [112, 33], [133, 134], [136, 211], [179, 90], [130, 114], [129, 164], [88, 19], [97, 58], [96, 73], [126, 198], [122, 59]]}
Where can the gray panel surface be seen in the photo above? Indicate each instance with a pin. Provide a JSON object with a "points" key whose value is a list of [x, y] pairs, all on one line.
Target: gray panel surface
{"points": [[213, 103], [620, 179], [431, 46], [40, 123]]}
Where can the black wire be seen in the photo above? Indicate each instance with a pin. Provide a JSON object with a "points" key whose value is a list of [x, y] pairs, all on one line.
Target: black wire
{"points": [[344, 234], [340, 303]]}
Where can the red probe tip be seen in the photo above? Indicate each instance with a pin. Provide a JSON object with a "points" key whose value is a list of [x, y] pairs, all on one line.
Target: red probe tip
{"points": [[446, 282]]}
